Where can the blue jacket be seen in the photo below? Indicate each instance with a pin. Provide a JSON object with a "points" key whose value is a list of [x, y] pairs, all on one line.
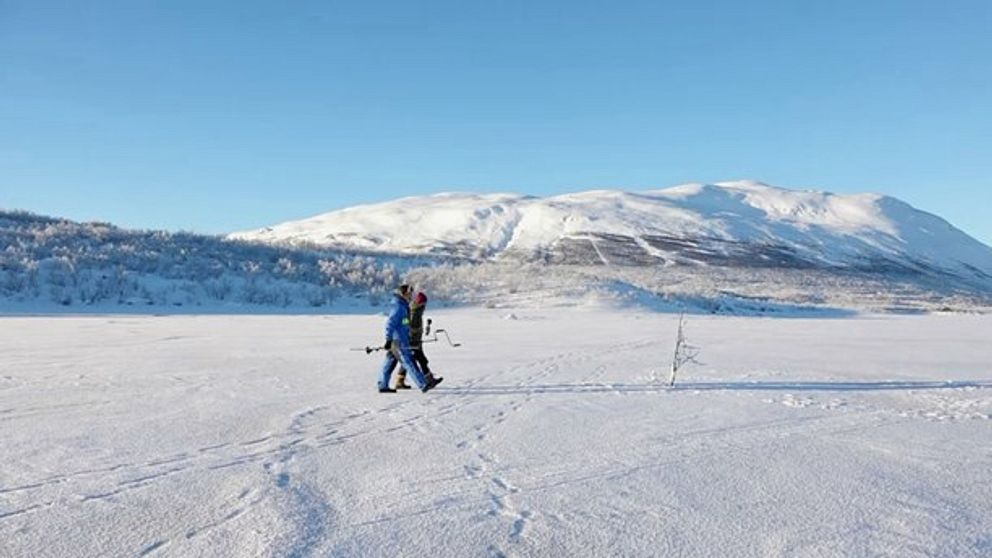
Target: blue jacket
{"points": [[398, 322]]}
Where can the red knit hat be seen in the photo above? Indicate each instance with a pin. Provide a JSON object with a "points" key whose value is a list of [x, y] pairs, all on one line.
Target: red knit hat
{"points": [[420, 299]]}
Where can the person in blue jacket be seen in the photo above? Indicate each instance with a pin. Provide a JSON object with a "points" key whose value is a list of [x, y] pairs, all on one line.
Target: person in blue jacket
{"points": [[397, 344]]}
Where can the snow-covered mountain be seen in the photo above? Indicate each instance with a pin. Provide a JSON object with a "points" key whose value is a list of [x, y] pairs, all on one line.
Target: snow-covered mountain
{"points": [[736, 247], [728, 224]]}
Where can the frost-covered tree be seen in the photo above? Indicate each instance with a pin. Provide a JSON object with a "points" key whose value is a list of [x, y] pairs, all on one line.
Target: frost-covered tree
{"points": [[67, 263]]}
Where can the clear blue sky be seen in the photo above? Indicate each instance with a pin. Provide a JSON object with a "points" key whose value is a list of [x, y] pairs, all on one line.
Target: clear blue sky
{"points": [[216, 116]]}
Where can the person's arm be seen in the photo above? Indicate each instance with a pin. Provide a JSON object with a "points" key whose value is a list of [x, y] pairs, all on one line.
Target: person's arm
{"points": [[393, 323]]}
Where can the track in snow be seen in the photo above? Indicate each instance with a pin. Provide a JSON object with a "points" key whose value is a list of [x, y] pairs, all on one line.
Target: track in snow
{"points": [[230, 436]]}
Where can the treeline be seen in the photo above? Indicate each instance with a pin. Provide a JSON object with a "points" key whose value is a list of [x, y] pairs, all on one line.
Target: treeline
{"points": [[43, 259], [56, 262]]}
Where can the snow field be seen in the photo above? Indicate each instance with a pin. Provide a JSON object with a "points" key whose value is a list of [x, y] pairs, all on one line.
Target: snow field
{"points": [[263, 436]]}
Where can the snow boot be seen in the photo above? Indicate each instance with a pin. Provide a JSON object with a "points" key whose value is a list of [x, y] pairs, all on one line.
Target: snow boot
{"points": [[401, 380], [432, 379], [387, 390], [432, 382]]}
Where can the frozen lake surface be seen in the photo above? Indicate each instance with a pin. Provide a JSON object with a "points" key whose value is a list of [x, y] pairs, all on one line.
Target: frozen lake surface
{"points": [[264, 436]]}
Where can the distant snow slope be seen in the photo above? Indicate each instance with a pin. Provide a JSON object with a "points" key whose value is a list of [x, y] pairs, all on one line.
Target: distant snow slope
{"points": [[743, 223]]}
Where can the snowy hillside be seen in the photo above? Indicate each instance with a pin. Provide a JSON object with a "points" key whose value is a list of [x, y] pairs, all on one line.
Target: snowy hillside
{"points": [[730, 224], [55, 264], [737, 248]]}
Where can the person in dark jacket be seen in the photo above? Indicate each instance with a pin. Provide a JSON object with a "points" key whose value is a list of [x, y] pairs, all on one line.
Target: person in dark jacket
{"points": [[417, 343], [397, 343]]}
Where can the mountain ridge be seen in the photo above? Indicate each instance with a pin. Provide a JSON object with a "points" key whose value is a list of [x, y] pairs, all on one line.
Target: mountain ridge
{"points": [[735, 223], [57, 265]]}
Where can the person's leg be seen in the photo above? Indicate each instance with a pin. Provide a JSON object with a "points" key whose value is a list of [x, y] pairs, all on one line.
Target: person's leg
{"points": [[422, 362], [406, 357], [387, 370], [398, 356], [401, 379]]}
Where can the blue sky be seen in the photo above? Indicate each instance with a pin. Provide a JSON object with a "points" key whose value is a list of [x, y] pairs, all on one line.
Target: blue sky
{"points": [[219, 116]]}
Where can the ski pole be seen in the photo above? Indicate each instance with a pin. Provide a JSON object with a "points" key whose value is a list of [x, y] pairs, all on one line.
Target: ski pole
{"points": [[368, 350], [435, 339]]}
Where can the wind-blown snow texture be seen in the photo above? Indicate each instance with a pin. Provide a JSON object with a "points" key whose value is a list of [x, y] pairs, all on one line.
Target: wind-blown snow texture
{"points": [[263, 436], [741, 223]]}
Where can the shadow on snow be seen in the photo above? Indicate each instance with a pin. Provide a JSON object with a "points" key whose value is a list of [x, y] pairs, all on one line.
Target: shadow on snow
{"points": [[894, 385]]}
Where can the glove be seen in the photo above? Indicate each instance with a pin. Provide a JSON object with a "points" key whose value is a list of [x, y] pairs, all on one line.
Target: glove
{"points": [[387, 345]]}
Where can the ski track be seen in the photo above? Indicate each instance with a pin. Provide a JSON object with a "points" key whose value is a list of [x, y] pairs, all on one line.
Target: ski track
{"points": [[329, 433], [308, 430], [305, 507], [484, 467], [105, 484]]}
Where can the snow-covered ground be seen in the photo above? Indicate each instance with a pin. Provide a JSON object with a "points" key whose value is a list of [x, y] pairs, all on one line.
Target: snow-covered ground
{"points": [[263, 436]]}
